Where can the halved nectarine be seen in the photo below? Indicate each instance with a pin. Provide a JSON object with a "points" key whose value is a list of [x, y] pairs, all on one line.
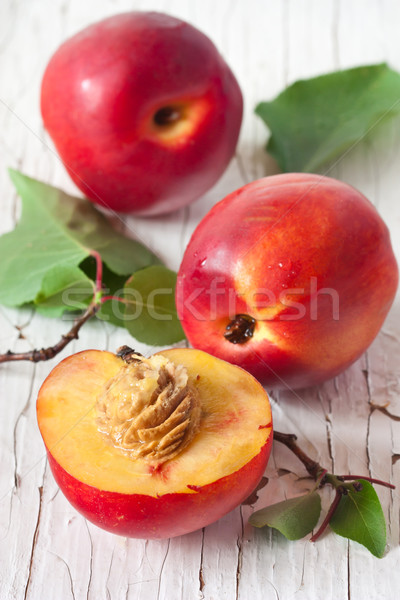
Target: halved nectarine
{"points": [[154, 448]]}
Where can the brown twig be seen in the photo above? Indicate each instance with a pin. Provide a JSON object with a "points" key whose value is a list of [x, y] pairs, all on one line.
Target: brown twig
{"points": [[52, 351], [289, 440]]}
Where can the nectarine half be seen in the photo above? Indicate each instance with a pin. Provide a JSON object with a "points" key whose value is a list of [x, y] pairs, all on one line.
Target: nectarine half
{"points": [[158, 447]]}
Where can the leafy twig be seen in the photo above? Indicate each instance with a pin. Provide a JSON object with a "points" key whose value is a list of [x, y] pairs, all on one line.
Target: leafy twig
{"points": [[315, 469], [355, 512], [73, 333]]}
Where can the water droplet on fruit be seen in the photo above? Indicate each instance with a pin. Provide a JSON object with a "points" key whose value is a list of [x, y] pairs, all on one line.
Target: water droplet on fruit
{"points": [[286, 264]]}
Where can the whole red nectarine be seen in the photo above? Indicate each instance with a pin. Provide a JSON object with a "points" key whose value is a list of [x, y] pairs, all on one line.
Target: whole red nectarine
{"points": [[143, 110], [157, 447], [290, 277]]}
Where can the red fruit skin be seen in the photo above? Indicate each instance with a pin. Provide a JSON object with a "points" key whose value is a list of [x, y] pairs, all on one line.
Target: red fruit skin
{"points": [[100, 92], [170, 515], [315, 239]]}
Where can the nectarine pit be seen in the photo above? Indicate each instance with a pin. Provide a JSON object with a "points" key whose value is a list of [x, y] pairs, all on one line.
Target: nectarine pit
{"points": [[149, 409], [240, 329]]}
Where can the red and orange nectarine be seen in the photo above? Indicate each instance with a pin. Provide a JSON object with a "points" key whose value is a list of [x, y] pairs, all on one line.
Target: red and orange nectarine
{"points": [[143, 110], [290, 277]]}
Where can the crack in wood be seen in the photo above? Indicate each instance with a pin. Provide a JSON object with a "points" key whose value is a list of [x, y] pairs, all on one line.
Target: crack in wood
{"points": [[35, 538], [201, 574], [383, 409], [23, 413], [252, 499], [395, 458], [90, 561], [328, 427], [162, 570], [239, 544], [71, 583], [109, 573], [365, 372]]}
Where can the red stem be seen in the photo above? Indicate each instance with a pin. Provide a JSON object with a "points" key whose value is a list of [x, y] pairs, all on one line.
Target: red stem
{"points": [[328, 517], [105, 298], [370, 479], [99, 269]]}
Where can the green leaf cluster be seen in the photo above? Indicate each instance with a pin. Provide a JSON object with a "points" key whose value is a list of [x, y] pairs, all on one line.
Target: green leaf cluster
{"points": [[316, 120], [47, 262], [358, 517]]}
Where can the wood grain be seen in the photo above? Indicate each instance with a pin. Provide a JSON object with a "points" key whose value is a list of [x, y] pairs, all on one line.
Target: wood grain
{"points": [[350, 424]]}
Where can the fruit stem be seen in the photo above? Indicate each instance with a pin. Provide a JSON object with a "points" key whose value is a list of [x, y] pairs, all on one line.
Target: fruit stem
{"points": [[370, 479], [289, 440], [328, 517], [99, 269], [118, 298]]}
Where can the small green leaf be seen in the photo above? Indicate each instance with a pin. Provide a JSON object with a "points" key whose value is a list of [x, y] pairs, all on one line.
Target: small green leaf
{"points": [[294, 518], [66, 289], [55, 234], [315, 120], [359, 517], [150, 314]]}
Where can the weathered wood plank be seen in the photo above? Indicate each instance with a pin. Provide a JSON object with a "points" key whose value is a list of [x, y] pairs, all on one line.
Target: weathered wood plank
{"points": [[351, 424]]}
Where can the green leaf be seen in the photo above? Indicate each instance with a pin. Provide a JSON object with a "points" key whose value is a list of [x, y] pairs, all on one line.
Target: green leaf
{"points": [[56, 233], [38, 244], [359, 517], [69, 289], [294, 518], [315, 120], [150, 314]]}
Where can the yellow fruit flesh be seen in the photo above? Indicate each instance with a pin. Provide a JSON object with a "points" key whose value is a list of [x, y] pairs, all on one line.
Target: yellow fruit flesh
{"points": [[235, 425]]}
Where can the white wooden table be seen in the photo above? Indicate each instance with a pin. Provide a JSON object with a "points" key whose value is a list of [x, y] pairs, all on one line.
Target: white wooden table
{"points": [[47, 550]]}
